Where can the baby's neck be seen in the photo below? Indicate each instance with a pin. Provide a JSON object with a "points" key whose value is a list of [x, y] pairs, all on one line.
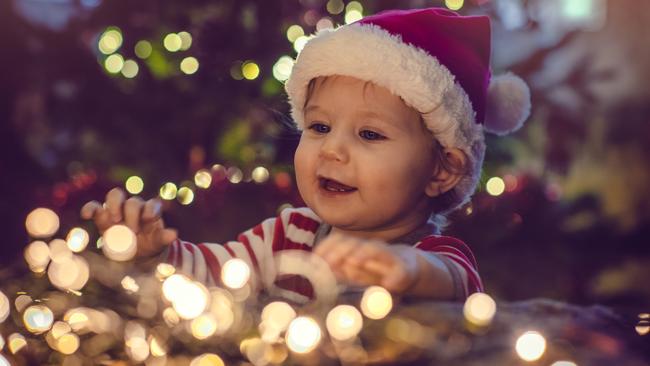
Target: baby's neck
{"points": [[401, 235]]}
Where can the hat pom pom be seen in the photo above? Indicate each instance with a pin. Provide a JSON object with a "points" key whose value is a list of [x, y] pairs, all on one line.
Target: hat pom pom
{"points": [[508, 104]]}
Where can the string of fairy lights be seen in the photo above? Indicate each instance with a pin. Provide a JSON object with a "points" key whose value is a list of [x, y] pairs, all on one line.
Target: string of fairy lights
{"points": [[187, 309]]}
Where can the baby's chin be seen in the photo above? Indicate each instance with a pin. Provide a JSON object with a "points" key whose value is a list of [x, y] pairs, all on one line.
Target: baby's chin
{"points": [[342, 220]]}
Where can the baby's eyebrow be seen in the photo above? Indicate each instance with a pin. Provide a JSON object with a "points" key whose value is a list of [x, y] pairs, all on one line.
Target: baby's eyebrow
{"points": [[314, 107], [384, 120]]}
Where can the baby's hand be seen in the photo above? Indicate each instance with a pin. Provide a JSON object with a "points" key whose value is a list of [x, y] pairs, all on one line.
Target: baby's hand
{"points": [[144, 218], [370, 262]]}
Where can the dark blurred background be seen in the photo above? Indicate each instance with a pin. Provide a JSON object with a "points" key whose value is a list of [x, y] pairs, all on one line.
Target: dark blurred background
{"points": [[93, 92]]}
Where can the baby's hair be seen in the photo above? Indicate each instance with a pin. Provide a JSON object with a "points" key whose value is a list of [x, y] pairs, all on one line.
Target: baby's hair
{"points": [[442, 204]]}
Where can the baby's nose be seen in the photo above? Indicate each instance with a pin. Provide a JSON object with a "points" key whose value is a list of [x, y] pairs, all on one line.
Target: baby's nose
{"points": [[334, 148]]}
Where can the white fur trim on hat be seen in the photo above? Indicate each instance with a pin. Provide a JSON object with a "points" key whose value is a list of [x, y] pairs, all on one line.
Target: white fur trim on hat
{"points": [[368, 52]]}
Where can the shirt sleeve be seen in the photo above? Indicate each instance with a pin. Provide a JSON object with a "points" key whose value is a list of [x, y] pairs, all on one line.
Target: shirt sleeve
{"points": [[457, 254], [294, 228], [203, 261]]}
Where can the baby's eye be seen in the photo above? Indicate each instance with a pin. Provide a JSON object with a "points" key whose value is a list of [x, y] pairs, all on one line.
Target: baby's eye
{"points": [[319, 127], [371, 135]]}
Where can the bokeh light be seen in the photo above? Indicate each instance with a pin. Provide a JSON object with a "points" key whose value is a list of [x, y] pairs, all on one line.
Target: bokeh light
{"points": [[530, 346], [276, 317], [204, 326], [189, 65], [335, 6], [643, 327], [60, 328], [170, 316], [110, 41], [235, 71], [68, 343], [78, 319], [376, 302], [42, 223], [300, 43], [16, 342], [5, 307], [143, 49], [130, 69], [164, 270], [454, 4], [172, 42], [353, 16], [234, 175], [129, 284], [260, 174], [256, 351], [59, 250], [3, 360], [222, 308], [69, 274], [134, 184], [250, 70], [172, 285], [77, 239], [186, 40], [303, 335], [168, 191], [282, 68], [137, 348], [324, 23], [511, 182], [114, 63], [22, 301], [235, 273], [293, 32], [119, 243], [189, 299], [564, 363], [354, 5], [157, 346], [495, 186], [203, 178], [344, 322], [479, 309], [37, 256], [207, 359], [185, 195], [38, 319]]}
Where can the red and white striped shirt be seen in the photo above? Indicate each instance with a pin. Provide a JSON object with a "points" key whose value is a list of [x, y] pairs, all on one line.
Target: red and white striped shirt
{"points": [[295, 228]]}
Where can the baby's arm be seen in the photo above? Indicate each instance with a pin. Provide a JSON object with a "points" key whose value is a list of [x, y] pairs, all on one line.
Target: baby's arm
{"points": [[432, 270], [204, 261]]}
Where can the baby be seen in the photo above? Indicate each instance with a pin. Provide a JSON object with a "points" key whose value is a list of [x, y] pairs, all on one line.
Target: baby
{"points": [[392, 111]]}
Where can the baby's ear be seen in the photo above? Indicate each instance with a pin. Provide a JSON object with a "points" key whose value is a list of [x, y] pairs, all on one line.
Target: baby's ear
{"points": [[449, 170]]}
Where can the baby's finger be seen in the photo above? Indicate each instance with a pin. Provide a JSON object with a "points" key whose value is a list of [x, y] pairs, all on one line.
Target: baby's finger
{"points": [[339, 250], [114, 200], [358, 276], [377, 267], [88, 210], [132, 211], [167, 236], [367, 252], [152, 210]]}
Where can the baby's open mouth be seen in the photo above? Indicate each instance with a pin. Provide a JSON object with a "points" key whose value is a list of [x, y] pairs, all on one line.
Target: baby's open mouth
{"points": [[334, 186]]}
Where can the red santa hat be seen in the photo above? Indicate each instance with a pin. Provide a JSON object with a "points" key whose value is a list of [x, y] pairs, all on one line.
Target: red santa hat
{"points": [[437, 61]]}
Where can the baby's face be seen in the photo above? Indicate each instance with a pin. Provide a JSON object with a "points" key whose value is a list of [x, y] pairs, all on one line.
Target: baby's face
{"points": [[364, 156]]}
